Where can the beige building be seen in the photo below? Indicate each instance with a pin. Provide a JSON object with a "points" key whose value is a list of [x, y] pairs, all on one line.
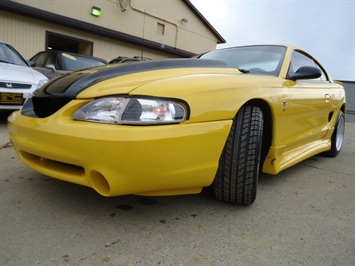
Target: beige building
{"points": [[150, 28]]}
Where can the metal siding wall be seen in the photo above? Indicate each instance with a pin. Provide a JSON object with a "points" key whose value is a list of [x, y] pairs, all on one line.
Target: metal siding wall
{"points": [[21, 33], [350, 100], [140, 19], [28, 35]]}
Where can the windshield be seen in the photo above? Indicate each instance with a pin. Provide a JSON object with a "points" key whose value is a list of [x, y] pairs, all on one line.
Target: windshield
{"points": [[266, 60], [9, 55], [74, 62]]}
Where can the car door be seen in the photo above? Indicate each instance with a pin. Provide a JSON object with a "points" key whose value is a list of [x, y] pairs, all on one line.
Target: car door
{"points": [[309, 107]]}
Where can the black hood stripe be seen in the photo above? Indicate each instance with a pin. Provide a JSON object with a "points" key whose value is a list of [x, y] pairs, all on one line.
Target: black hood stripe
{"points": [[62, 90], [71, 85]]}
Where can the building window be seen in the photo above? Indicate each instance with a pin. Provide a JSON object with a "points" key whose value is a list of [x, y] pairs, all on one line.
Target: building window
{"points": [[160, 28]]}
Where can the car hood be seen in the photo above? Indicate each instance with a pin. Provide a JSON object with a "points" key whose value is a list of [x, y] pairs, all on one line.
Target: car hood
{"points": [[19, 74], [72, 84], [115, 79]]}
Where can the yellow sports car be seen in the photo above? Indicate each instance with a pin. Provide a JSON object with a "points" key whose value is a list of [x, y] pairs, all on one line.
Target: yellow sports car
{"points": [[176, 126]]}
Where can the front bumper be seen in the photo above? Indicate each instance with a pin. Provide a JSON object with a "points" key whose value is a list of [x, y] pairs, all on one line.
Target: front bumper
{"points": [[119, 160]]}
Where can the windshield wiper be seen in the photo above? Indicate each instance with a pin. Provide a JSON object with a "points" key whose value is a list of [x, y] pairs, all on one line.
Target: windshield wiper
{"points": [[245, 71]]}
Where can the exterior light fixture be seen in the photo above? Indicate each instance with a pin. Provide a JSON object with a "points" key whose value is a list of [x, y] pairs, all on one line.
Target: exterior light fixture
{"points": [[185, 20], [96, 11]]}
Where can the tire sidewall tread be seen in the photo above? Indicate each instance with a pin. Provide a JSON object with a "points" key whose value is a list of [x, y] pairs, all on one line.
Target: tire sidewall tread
{"points": [[237, 175]]}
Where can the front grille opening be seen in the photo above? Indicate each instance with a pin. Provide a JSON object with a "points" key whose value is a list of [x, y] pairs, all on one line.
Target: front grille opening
{"points": [[46, 106], [11, 85], [57, 166]]}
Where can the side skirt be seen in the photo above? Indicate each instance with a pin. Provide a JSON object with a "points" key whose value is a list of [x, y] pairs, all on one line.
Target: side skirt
{"points": [[279, 160]]}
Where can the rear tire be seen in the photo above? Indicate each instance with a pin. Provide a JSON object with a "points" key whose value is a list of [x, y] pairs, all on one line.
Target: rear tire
{"points": [[238, 172], [337, 137]]}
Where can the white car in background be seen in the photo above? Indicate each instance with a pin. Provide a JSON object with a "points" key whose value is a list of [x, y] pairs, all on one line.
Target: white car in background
{"points": [[17, 78]]}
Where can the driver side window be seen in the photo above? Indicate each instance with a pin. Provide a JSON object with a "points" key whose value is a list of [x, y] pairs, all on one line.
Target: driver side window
{"points": [[298, 60]]}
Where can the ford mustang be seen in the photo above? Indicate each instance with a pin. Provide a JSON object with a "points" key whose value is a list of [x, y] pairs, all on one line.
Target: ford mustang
{"points": [[176, 126]]}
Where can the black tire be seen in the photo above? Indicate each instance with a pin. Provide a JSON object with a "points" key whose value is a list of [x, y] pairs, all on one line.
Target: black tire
{"points": [[238, 172], [337, 137]]}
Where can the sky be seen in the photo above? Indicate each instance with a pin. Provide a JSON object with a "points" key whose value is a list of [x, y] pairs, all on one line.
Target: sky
{"points": [[323, 28]]}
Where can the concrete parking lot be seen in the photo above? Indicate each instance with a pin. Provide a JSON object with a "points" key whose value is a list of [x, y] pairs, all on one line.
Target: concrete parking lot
{"points": [[303, 216]]}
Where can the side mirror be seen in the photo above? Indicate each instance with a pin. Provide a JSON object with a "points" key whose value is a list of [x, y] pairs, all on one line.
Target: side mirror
{"points": [[50, 66], [306, 72]]}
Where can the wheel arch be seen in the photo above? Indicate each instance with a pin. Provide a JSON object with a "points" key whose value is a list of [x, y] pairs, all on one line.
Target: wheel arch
{"points": [[267, 127]]}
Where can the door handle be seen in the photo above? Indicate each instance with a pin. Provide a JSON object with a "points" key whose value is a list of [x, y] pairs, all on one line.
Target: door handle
{"points": [[328, 97]]}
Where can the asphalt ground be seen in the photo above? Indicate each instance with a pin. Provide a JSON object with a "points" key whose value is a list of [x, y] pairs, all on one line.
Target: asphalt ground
{"points": [[303, 216]]}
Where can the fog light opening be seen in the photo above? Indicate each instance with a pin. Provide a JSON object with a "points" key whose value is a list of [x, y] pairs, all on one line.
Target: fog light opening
{"points": [[100, 183]]}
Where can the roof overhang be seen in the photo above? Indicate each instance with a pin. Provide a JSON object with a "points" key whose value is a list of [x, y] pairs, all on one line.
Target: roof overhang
{"points": [[205, 21]]}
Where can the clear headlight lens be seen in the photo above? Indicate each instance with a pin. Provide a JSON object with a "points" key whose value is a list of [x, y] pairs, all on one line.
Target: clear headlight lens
{"points": [[138, 111], [41, 83]]}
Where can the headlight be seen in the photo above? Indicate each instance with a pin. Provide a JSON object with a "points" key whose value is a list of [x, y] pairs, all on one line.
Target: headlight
{"points": [[41, 83], [136, 111]]}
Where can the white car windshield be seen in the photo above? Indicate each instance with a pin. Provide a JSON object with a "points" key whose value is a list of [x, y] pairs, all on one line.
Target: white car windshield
{"points": [[10, 55]]}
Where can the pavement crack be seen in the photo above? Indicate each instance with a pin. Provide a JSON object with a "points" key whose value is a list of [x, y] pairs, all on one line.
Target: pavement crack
{"points": [[326, 169], [7, 145]]}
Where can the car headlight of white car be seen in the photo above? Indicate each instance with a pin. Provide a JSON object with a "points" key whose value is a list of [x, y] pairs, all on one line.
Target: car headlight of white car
{"points": [[41, 83], [134, 111]]}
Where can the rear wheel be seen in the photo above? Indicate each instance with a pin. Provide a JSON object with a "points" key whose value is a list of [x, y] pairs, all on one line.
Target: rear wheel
{"points": [[237, 176], [338, 136]]}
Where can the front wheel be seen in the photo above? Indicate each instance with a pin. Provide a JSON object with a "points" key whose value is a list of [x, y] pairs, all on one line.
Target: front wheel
{"points": [[337, 137], [237, 175]]}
